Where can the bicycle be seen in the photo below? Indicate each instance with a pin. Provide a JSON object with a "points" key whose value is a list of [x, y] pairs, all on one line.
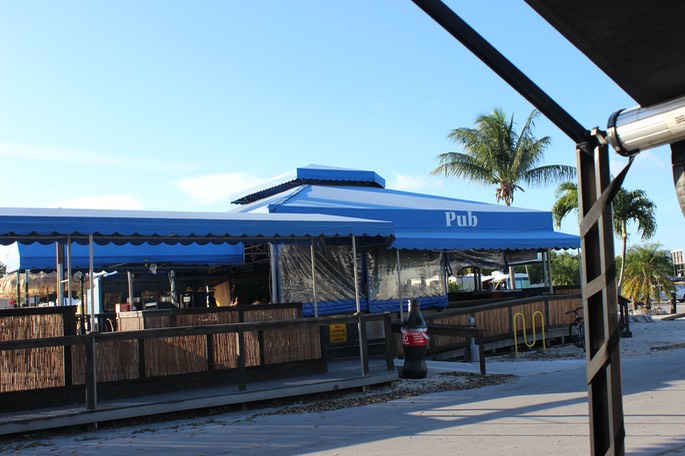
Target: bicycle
{"points": [[577, 329]]}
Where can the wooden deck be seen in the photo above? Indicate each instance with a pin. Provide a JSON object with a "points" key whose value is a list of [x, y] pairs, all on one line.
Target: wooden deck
{"points": [[341, 375]]}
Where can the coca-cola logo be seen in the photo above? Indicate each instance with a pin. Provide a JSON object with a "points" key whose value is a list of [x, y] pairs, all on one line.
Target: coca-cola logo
{"points": [[414, 337]]}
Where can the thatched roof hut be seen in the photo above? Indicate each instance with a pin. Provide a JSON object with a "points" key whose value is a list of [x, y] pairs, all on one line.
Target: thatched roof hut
{"points": [[39, 284]]}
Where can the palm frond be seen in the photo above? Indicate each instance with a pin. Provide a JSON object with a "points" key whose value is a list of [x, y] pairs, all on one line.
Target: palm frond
{"points": [[547, 174], [493, 152]]}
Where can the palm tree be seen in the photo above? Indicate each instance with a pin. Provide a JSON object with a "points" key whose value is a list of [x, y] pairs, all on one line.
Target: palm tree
{"points": [[567, 201], [647, 267], [627, 206], [494, 153]]}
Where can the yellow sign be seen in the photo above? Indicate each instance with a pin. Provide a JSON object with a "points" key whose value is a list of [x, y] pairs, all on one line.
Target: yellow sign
{"points": [[338, 333]]}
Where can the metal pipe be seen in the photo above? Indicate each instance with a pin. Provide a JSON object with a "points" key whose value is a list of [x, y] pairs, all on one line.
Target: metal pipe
{"points": [[129, 275], [91, 295], [311, 252], [548, 267], [18, 289], [399, 285], [274, 273], [26, 285], [360, 329], [59, 298], [69, 292]]}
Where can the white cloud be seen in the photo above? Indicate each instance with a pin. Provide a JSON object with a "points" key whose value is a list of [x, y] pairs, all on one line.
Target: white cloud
{"points": [[217, 188], [101, 202], [659, 158], [649, 161], [83, 157], [412, 183]]}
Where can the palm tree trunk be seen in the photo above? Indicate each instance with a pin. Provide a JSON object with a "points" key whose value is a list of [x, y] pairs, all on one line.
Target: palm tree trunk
{"points": [[624, 242]]}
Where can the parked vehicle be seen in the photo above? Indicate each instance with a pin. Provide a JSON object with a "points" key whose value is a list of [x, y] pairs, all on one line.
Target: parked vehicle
{"points": [[679, 283]]}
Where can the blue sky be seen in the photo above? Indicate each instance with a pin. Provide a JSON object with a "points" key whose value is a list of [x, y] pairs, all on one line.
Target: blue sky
{"points": [[178, 105]]}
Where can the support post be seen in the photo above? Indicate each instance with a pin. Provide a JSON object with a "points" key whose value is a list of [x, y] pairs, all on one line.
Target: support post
{"points": [[91, 296], [389, 343], [242, 373], [311, 254], [27, 272], [548, 268], [59, 295], [600, 302], [361, 328], [91, 372], [399, 284], [274, 273], [69, 276], [129, 276], [18, 304]]}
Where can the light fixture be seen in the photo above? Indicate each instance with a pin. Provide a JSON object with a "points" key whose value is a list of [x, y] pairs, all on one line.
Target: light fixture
{"points": [[631, 130], [153, 268]]}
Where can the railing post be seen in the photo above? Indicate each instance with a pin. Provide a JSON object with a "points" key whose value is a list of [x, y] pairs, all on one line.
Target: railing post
{"points": [[242, 378], [481, 353], [363, 344], [91, 372], [389, 342], [209, 343]]}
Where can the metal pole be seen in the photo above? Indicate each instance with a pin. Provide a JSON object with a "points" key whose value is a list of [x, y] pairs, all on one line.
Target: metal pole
{"points": [[172, 288], [129, 275], [274, 273], [69, 292], [360, 330], [91, 296], [598, 283], [18, 289], [84, 329], [59, 298], [399, 284], [548, 267], [311, 252], [26, 285], [356, 274]]}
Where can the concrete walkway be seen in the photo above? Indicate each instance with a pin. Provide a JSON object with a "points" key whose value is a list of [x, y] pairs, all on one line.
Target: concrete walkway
{"points": [[543, 413]]}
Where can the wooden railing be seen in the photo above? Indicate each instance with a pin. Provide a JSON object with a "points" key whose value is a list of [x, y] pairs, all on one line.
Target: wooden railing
{"points": [[44, 362], [122, 364], [495, 317]]}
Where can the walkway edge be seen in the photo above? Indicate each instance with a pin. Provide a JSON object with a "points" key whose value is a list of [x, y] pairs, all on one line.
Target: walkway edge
{"points": [[104, 414]]}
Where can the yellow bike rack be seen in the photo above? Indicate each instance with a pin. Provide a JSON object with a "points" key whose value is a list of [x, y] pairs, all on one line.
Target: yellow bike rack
{"points": [[525, 341]]}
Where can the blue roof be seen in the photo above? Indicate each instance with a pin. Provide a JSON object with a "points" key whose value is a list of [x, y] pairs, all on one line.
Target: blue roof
{"points": [[426, 222], [313, 174]]}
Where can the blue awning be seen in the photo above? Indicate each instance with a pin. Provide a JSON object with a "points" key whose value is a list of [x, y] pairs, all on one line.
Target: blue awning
{"points": [[29, 225], [43, 256]]}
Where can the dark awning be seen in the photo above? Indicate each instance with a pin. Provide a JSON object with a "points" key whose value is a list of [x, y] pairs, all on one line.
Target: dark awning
{"points": [[637, 43]]}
